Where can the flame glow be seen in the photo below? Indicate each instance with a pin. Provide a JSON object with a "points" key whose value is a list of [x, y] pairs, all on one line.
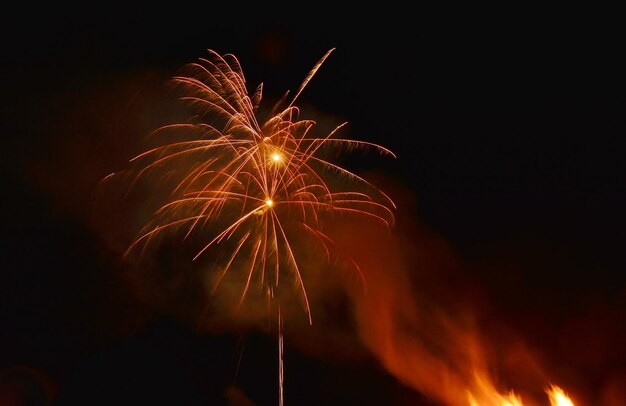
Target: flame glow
{"points": [[440, 352], [485, 394], [558, 397]]}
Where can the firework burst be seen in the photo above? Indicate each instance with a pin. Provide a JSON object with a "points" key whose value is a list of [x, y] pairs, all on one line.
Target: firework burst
{"points": [[257, 186], [257, 189]]}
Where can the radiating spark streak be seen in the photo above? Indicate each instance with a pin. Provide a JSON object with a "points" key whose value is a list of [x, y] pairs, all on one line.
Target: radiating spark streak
{"points": [[230, 261], [109, 176], [297, 269], [310, 75], [362, 212], [203, 87], [305, 194], [317, 177], [242, 106], [174, 155], [209, 128], [308, 153], [190, 199], [313, 148], [258, 95], [307, 187], [277, 267], [158, 229], [223, 111], [224, 186], [279, 103], [239, 86], [354, 143], [264, 253], [281, 370], [225, 193], [204, 173], [352, 175], [234, 87], [321, 235], [239, 82], [206, 144], [368, 202], [254, 257], [316, 234], [221, 235], [212, 81]]}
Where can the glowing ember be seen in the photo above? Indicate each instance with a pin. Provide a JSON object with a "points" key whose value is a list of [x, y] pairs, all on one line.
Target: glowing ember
{"points": [[558, 397], [276, 157], [269, 202]]}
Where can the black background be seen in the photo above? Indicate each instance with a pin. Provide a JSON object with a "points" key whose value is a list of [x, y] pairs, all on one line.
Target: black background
{"points": [[508, 132]]}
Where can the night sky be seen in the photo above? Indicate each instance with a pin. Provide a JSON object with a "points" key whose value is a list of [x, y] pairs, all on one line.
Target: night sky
{"points": [[508, 134]]}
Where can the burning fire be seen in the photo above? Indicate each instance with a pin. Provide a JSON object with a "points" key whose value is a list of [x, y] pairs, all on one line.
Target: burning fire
{"points": [[489, 396], [511, 399], [558, 397], [486, 395], [442, 355]]}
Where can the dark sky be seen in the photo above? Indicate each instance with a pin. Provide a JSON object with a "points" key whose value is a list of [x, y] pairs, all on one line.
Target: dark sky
{"points": [[508, 134]]}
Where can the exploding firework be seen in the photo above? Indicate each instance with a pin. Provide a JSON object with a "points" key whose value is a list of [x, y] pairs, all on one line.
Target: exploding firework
{"points": [[256, 188], [230, 178]]}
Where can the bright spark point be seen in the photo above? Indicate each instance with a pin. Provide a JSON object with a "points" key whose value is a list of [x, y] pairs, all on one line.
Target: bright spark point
{"points": [[269, 202], [276, 157]]}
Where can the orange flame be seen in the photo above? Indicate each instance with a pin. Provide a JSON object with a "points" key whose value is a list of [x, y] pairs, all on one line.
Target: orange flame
{"points": [[442, 354], [558, 397], [486, 394]]}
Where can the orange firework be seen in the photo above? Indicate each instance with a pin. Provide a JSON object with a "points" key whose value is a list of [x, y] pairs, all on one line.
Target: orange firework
{"points": [[253, 187]]}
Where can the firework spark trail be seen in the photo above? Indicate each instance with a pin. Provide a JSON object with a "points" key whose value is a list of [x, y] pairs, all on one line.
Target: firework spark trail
{"points": [[262, 185]]}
